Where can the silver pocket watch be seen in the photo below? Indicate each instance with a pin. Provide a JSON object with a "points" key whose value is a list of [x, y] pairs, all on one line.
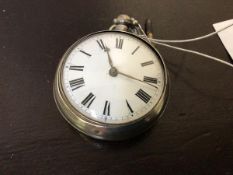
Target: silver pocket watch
{"points": [[112, 84]]}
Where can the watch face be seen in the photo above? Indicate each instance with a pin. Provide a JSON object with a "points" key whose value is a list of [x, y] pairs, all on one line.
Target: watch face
{"points": [[112, 77]]}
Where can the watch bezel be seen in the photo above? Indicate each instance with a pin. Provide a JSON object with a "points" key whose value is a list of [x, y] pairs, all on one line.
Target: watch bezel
{"points": [[92, 127]]}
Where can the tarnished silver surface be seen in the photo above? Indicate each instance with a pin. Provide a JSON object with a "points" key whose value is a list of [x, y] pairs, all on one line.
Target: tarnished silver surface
{"points": [[102, 130]]}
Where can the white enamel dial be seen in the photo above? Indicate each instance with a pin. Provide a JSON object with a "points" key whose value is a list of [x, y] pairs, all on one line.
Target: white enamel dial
{"points": [[116, 97]]}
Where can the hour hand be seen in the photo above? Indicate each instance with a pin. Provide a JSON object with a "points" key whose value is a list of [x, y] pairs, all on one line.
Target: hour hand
{"points": [[129, 76], [109, 57]]}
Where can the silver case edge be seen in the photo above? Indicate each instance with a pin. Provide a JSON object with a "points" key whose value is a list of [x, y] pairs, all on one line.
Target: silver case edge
{"points": [[100, 130]]}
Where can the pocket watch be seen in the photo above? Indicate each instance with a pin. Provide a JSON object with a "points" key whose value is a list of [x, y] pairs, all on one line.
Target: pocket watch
{"points": [[112, 84]]}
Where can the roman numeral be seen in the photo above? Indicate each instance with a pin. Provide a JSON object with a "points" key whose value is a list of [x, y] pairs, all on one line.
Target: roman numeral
{"points": [[143, 96], [150, 80], [77, 68], [101, 44], [77, 83], [85, 53], [135, 50], [119, 43], [130, 108], [88, 100], [106, 108], [147, 63]]}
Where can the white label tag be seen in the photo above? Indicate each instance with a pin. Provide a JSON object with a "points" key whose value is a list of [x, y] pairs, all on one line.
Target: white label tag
{"points": [[226, 36]]}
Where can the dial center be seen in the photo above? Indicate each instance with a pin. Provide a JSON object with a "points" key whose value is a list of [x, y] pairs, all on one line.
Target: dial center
{"points": [[113, 72]]}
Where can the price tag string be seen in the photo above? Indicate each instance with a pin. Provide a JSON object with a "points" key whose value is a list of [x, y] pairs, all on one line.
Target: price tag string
{"points": [[162, 42]]}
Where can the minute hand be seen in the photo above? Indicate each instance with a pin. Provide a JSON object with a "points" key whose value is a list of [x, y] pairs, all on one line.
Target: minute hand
{"points": [[129, 76], [109, 57]]}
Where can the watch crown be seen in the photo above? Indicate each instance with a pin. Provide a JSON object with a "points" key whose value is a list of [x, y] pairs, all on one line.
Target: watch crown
{"points": [[124, 22]]}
